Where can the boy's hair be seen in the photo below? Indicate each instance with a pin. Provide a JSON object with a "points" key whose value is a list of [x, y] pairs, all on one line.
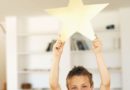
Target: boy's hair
{"points": [[79, 71]]}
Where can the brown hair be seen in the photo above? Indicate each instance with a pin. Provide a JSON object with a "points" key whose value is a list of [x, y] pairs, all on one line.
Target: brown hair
{"points": [[79, 71]]}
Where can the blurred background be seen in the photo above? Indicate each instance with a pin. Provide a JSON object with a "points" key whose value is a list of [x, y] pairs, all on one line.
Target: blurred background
{"points": [[28, 32]]}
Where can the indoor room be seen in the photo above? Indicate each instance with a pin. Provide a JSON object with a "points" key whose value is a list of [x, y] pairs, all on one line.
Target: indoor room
{"points": [[29, 33]]}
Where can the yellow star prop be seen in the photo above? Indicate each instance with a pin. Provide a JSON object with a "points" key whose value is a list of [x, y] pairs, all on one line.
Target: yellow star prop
{"points": [[76, 18]]}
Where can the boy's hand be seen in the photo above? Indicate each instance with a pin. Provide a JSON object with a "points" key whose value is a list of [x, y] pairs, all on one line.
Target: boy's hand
{"points": [[58, 48], [97, 46]]}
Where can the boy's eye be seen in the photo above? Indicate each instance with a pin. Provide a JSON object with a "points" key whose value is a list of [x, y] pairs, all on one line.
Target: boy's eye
{"points": [[84, 86], [74, 88]]}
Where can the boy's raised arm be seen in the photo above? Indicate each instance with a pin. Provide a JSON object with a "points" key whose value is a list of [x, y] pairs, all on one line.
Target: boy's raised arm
{"points": [[54, 74], [104, 74]]}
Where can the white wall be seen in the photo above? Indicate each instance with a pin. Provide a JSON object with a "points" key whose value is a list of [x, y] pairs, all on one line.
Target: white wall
{"points": [[2, 56], [106, 18], [125, 34]]}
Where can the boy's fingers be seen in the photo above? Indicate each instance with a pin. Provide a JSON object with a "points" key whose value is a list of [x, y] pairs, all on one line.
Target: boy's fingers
{"points": [[59, 44], [60, 41]]}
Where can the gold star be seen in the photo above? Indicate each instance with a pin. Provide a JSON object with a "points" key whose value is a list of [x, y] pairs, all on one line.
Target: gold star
{"points": [[76, 18]]}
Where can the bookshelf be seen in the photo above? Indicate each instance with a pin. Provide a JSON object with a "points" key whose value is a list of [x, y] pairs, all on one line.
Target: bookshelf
{"points": [[19, 53], [30, 60], [34, 54], [27, 42], [32, 67]]}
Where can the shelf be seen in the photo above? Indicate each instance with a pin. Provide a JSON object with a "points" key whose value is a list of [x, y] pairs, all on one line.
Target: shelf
{"points": [[108, 34], [34, 53], [108, 31], [111, 70], [81, 51], [111, 50], [34, 71], [103, 29], [90, 51], [35, 34]]}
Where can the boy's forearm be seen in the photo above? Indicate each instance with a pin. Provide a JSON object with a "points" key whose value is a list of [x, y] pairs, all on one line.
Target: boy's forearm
{"points": [[105, 77], [54, 74]]}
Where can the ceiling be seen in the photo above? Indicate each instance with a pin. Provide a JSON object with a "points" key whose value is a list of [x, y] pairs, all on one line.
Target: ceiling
{"points": [[32, 7]]}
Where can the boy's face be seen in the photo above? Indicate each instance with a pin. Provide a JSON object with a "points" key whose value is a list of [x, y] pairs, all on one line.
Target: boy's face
{"points": [[79, 83]]}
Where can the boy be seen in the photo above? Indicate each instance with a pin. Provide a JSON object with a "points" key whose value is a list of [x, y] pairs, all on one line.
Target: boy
{"points": [[79, 78]]}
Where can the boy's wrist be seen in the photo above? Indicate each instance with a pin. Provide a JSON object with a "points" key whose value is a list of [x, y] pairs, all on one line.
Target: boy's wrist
{"points": [[56, 58], [98, 53]]}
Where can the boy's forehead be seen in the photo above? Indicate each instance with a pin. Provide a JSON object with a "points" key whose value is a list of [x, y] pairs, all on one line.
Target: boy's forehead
{"points": [[78, 80]]}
